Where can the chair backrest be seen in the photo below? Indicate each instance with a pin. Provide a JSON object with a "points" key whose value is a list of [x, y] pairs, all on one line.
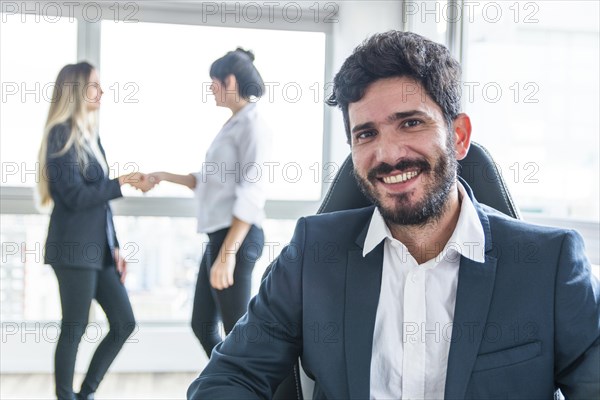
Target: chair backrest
{"points": [[478, 169], [480, 172]]}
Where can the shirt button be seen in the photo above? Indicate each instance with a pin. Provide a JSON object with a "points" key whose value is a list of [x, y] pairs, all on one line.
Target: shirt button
{"points": [[414, 277]]}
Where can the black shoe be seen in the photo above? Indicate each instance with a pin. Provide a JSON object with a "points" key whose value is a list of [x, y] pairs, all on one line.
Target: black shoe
{"points": [[79, 396]]}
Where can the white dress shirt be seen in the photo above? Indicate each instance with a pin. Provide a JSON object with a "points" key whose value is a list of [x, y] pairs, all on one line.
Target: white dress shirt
{"points": [[233, 177], [413, 326]]}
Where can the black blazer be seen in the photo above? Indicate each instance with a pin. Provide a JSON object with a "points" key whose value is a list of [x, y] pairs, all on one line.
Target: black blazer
{"points": [[526, 321], [77, 234]]}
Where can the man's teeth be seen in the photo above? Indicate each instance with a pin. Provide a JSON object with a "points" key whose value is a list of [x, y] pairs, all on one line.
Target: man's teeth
{"points": [[400, 177]]}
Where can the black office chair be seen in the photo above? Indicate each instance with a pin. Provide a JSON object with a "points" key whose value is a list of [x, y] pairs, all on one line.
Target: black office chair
{"points": [[480, 172], [478, 169]]}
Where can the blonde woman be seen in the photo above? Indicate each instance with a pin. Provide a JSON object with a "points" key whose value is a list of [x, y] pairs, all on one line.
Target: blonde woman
{"points": [[82, 246]]}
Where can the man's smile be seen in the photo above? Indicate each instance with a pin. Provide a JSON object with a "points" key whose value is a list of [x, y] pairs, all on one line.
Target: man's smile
{"points": [[399, 177]]}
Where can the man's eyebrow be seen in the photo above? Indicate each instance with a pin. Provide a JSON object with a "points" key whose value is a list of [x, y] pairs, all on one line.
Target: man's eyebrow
{"points": [[407, 114], [360, 127], [393, 118]]}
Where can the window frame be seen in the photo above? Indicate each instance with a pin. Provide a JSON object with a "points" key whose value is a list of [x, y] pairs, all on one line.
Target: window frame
{"points": [[20, 200]]}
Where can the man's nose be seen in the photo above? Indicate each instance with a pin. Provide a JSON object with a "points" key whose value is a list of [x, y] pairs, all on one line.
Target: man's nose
{"points": [[390, 148]]}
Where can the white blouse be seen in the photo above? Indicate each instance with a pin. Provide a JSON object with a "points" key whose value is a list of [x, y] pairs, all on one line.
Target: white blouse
{"points": [[233, 179]]}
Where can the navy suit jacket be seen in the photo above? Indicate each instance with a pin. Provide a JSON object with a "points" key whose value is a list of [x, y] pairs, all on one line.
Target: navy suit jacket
{"points": [[78, 233], [527, 320]]}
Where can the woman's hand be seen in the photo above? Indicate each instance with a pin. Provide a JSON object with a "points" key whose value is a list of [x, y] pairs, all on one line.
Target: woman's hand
{"points": [[221, 273], [185, 180], [138, 180], [121, 265], [157, 177]]}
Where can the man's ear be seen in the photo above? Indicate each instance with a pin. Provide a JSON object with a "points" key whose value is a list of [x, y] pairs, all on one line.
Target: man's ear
{"points": [[462, 135]]}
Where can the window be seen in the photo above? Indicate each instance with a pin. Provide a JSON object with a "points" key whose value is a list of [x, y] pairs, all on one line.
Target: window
{"points": [[162, 268], [531, 78], [29, 67], [161, 275], [429, 18], [159, 114], [28, 289]]}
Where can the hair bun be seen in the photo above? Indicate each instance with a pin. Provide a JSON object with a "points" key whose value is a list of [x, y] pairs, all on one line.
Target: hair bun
{"points": [[249, 53]]}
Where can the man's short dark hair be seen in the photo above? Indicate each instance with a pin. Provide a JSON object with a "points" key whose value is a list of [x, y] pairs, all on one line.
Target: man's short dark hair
{"points": [[399, 54]]}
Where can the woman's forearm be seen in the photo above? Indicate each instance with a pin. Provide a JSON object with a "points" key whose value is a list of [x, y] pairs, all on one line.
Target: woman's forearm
{"points": [[234, 238], [185, 180]]}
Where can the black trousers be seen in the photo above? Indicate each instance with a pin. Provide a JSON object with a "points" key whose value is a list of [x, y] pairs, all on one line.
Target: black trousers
{"points": [[78, 286], [228, 305]]}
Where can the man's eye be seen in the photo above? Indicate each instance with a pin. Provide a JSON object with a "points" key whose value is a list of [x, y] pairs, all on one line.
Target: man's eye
{"points": [[364, 135], [411, 123]]}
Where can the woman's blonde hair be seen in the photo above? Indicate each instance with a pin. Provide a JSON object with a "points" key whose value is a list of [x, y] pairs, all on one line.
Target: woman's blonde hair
{"points": [[68, 104]]}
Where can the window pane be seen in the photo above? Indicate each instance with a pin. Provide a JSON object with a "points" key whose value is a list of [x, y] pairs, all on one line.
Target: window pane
{"points": [[429, 18], [29, 290], [162, 269], [158, 112], [32, 51], [531, 89]]}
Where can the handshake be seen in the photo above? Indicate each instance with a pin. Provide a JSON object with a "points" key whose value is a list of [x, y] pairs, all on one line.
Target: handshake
{"points": [[141, 181]]}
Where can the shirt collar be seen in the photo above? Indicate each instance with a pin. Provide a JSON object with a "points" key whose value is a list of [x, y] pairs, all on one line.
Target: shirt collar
{"points": [[378, 231], [241, 114], [467, 239]]}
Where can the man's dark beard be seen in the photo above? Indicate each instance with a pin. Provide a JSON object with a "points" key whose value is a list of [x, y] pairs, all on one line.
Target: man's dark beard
{"points": [[436, 193]]}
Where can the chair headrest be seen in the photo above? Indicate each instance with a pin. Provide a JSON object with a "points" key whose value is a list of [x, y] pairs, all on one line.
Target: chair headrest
{"points": [[478, 169]]}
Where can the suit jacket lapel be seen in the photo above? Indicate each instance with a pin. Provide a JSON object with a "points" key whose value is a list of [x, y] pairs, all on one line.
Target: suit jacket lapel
{"points": [[474, 293], [473, 298], [363, 284]]}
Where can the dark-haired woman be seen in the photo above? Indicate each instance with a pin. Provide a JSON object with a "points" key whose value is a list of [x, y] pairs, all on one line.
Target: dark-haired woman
{"points": [[231, 196], [82, 246]]}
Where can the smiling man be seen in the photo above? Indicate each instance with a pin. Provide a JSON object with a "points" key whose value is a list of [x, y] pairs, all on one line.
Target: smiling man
{"points": [[405, 160], [422, 295]]}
